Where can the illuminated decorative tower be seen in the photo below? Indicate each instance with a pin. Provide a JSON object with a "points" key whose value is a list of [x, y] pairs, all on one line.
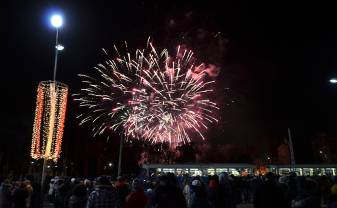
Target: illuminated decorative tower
{"points": [[49, 120]]}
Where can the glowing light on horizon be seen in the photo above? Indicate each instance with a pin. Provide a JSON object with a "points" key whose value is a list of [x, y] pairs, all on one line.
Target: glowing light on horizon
{"points": [[151, 96]]}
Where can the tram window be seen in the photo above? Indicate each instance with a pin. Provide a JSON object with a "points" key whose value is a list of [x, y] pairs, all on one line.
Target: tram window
{"points": [[210, 171]]}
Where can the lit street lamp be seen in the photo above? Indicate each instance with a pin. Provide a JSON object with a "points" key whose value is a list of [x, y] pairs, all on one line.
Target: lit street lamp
{"points": [[268, 160], [56, 21], [333, 80], [59, 47]]}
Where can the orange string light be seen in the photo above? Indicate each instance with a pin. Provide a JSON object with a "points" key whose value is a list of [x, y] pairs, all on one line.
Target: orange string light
{"points": [[49, 120]]}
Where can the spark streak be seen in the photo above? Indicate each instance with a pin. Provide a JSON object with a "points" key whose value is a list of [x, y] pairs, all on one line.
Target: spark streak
{"points": [[150, 96]]}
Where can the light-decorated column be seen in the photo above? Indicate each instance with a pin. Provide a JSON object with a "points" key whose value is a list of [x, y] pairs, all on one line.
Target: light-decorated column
{"points": [[49, 120]]}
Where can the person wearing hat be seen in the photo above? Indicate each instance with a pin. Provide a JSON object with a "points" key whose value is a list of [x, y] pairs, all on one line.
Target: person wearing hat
{"points": [[5, 194], [332, 201], [269, 193], [78, 197], [225, 191], [198, 195], [310, 196], [104, 195], [122, 191], [137, 197], [168, 194]]}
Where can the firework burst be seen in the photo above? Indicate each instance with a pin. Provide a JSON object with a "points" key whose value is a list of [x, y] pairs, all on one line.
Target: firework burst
{"points": [[153, 96]]}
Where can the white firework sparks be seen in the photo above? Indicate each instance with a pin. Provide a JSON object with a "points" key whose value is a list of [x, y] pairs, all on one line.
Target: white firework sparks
{"points": [[152, 96]]}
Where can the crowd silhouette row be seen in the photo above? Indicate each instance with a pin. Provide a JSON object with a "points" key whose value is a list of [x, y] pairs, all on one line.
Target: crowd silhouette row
{"points": [[171, 191]]}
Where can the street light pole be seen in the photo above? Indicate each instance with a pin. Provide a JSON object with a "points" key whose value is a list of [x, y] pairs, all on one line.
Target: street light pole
{"points": [[43, 178], [56, 55], [291, 149], [56, 21], [120, 156]]}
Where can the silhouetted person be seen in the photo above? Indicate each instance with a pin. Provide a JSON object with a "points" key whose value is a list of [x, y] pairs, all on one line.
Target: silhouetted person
{"points": [[137, 197], [70, 189], [186, 187], [20, 195], [225, 192], [122, 191], [332, 200], [283, 184], [60, 193], [51, 190], [167, 194], [88, 186], [5, 194], [325, 185], [198, 195], [310, 197], [246, 191], [103, 196], [269, 194], [30, 190], [78, 198]]}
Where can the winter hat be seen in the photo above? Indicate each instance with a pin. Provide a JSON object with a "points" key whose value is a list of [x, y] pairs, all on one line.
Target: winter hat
{"points": [[120, 178], [270, 176], [137, 184], [283, 179], [196, 183], [87, 182], [103, 180]]}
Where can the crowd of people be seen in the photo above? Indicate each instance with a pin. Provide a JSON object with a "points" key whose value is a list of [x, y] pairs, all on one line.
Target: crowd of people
{"points": [[171, 191], [16, 194]]}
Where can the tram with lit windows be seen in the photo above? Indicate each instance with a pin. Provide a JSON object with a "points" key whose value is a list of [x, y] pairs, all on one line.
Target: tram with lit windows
{"points": [[240, 169]]}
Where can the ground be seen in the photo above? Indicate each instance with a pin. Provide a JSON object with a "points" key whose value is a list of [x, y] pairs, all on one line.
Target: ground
{"points": [[49, 205], [245, 206]]}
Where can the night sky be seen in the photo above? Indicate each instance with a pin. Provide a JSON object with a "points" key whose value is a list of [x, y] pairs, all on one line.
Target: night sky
{"points": [[276, 60]]}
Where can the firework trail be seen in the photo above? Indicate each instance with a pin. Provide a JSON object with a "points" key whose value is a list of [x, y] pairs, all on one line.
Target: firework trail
{"points": [[153, 96]]}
